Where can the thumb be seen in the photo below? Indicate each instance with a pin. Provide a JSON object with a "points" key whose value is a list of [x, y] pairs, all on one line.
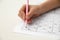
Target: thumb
{"points": [[29, 15]]}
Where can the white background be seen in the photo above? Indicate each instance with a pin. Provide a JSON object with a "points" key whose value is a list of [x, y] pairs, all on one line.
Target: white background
{"points": [[8, 20]]}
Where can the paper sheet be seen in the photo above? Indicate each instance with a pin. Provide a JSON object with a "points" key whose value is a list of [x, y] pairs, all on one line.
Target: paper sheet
{"points": [[47, 23]]}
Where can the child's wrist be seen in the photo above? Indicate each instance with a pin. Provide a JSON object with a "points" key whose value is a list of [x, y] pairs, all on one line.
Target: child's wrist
{"points": [[57, 2], [47, 5]]}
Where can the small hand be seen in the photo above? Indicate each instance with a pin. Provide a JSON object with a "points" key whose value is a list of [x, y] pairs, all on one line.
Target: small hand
{"points": [[33, 12]]}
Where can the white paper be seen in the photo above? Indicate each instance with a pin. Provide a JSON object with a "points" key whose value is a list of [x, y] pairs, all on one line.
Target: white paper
{"points": [[46, 23]]}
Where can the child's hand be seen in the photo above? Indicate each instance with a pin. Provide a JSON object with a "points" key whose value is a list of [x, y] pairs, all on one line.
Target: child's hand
{"points": [[33, 12], [36, 10]]}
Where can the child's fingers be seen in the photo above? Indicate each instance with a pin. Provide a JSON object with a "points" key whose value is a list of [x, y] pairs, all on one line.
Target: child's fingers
{"points": [[30, 14], [21, 15], [29, 21], [22, 12], [34, 12]]}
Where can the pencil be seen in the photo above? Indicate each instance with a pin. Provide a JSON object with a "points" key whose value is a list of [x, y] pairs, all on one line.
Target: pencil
{"points": [[27, 4]]}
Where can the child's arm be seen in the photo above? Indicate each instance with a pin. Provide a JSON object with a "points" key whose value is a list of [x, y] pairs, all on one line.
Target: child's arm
{"points": [[48, 5], [59, 2]]}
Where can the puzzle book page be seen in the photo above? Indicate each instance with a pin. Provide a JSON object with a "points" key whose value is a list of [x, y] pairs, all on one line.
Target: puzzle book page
{"points": [[47, 23]]}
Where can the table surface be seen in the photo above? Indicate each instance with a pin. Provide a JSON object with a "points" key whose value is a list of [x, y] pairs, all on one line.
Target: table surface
{"points": [[8, 20]]}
